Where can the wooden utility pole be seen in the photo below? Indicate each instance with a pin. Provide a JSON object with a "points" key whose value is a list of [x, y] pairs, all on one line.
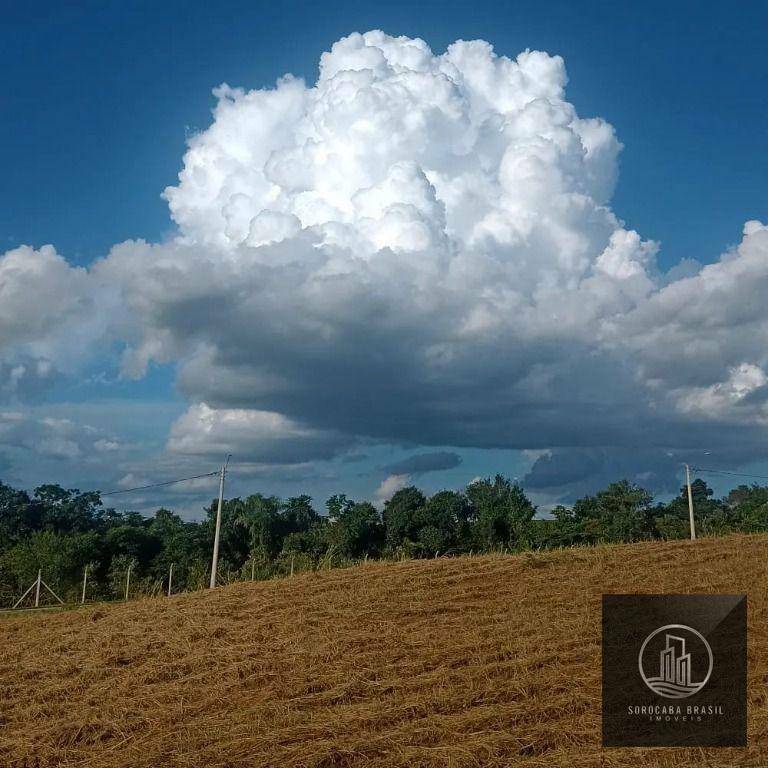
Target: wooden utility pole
{"points": [[690, 502], [217, 534]]}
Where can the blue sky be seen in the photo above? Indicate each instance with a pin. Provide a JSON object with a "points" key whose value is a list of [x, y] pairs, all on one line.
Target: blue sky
{"points": [[100, 99]]}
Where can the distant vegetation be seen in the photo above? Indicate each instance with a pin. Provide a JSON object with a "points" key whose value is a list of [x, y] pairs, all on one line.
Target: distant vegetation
{"points": [[63, 531]]}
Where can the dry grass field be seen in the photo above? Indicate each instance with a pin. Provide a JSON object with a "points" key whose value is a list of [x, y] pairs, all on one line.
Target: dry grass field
{"points": [[484, 661]]}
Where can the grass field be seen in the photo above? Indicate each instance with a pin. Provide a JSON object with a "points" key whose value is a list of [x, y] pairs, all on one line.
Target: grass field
{"points": [[484, 661]]}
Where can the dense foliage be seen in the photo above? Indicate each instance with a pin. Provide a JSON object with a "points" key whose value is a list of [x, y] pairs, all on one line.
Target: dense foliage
{"points": [[63, 531]]}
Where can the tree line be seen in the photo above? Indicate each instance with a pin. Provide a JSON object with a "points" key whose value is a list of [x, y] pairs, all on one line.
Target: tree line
{"points": [[62, 531]]}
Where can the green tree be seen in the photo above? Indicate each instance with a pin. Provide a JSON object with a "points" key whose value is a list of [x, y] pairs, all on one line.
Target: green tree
{"points": [[182, 543], [442, 524], [502, 513], [67, 511], [356, 530], [748, 508], [132, 535], [400, 516], [565, 530], [298, 515], [260, 516], [621, 512], [60, 556], [711, 516], [19, 516]]}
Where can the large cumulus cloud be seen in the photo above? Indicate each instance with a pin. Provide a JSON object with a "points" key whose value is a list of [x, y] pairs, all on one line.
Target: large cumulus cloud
{"points": [[419, 248], [49, 318]]}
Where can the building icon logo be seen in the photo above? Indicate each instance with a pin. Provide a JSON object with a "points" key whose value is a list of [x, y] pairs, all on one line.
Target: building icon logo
{"points": [[675, 661], [691, 655]]}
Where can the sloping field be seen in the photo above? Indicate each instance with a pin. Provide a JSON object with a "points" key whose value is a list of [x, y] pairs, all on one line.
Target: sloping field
{"points": [[485, 661]]}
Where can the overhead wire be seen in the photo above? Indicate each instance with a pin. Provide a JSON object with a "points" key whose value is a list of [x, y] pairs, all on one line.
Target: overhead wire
{"points": [[158, 485], [726, 472]]}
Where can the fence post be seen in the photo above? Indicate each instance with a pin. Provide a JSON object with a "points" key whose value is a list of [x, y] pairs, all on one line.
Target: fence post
{"points": [[292, 556], [128, 580], [85, 581], [37, 588], [253, 570], [170, 579]]}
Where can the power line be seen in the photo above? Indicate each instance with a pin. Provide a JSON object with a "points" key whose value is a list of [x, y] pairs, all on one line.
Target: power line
{"points": [[725, 472], [158, 485]]}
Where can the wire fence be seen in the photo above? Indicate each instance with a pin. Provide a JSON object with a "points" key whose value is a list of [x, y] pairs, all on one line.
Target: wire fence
{"points": [[123, 583]]}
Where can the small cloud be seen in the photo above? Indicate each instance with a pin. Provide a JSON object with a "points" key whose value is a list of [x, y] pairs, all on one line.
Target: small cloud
{"points": [[106, 445], [132, 481], [58, 447], [389, 486]]}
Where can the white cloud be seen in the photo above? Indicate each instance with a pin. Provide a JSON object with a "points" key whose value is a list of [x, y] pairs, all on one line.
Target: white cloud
{"points": [[255, 436], [416, 249], [107, 445], [719, 400], [694, 332], [49, 437], [40, 292], [131, 480], [47, 316], [389, 486]]}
